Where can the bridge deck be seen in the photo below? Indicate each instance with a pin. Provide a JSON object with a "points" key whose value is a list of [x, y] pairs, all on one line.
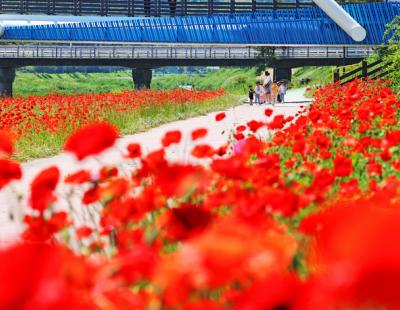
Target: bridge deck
{"points": [[181, 52], [158, 56]]}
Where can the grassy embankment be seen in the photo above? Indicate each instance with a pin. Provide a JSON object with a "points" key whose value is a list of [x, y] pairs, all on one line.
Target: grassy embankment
{"points": [[233, 80], [316, 75]]}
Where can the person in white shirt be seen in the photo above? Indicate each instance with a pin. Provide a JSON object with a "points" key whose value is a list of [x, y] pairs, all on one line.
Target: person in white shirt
{"points": [[268, 87]]}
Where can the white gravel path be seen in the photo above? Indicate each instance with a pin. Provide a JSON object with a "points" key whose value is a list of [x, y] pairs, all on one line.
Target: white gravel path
{"points": [[218, 133]]}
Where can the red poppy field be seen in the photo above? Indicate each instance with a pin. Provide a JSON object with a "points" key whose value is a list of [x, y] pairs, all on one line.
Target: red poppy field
{"points": [[309, 219], [42, 123]]}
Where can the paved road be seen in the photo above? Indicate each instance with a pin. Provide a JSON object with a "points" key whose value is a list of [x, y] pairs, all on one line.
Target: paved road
{"points": [[218, 134]]}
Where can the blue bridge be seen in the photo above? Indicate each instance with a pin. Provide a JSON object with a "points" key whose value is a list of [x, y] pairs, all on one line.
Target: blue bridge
{"points": [[309, 26], [284, 38]]}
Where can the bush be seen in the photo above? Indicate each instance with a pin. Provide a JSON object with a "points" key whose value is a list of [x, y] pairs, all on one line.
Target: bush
{"points": [[391, 52]]}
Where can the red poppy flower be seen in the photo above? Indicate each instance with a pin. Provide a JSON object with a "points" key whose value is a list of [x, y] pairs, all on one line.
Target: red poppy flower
{"points": [[202, 151], [220, 116], [203, 304], [289, 119], [268, 112], [137, 264], [392, 138], [396, 164], [42, 189], [25, 281], [171, 137], [91, 140], [134, 150], [343, 166], [91, 196], [9, 170], [355, 239], [290, 163], [240, 128], [283, 293], [108, 172], [187, 220], [277, 123], [114, 189], [84, 232], [79, 177], [199, 133], [41, 229], [386, 155], [222, 150], [238, 136], [254, 125], [6, 143], [153, 162]]}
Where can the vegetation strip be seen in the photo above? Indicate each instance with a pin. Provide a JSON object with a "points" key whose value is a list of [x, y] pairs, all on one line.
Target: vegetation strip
{"points": [[41, 124]]}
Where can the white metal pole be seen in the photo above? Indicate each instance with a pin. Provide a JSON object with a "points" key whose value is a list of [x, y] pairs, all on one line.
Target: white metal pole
{"points": [[343, 19]]}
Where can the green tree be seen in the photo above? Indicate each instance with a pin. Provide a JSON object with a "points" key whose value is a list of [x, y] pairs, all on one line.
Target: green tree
{"points": [[390, 52]]}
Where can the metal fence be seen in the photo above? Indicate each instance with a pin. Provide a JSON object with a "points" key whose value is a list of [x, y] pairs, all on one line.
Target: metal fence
{"points": [[147, 7], [179, 52]]}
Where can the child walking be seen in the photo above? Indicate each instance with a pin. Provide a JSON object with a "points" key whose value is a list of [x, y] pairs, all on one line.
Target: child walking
{"points": [[262, 95], [258, 93], [251, 95], [275, 91], [282, 92]]}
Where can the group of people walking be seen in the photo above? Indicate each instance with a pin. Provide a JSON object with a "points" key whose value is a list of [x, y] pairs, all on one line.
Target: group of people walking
{"points": [[269, 92]]}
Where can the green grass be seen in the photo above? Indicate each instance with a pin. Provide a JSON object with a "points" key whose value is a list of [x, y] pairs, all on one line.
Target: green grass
{"points": [[234, 80], [42, 83], [45, 144], [317, 76]]}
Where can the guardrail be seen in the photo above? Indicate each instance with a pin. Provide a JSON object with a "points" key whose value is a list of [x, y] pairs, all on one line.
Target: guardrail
{"points": [[179, 52], [148, 7]]}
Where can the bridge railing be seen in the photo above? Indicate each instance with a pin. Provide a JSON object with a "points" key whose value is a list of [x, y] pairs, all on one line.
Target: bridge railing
{"points": [[179, 52], [147, 7]]}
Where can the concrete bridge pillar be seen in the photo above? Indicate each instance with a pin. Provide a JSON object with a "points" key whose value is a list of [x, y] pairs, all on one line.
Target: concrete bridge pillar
{"points": [[7, 77], [142, 78], [282, 74]]}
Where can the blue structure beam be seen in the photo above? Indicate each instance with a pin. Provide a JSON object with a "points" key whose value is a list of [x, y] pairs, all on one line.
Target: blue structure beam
{"points": [[342, 19], [307, 26]]}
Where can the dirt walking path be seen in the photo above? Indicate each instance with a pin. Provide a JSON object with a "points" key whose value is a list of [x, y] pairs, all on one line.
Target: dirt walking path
{"points": [[218, 134]]}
